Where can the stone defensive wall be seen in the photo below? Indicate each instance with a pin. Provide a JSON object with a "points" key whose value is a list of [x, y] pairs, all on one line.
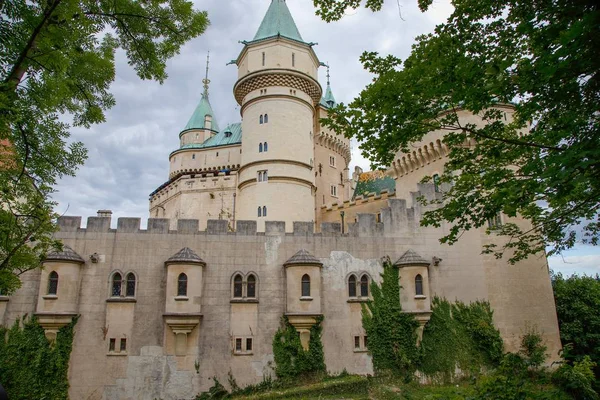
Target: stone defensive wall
{"points": [[206, 180]]}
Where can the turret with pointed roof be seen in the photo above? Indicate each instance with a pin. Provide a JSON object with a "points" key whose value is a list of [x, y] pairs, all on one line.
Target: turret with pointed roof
{"points": [[278, 21]]}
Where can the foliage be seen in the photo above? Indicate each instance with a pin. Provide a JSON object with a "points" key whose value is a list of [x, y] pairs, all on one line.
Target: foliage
{"points": [[30, 366], [56, 67], [459, 335], [533, 349], [391, 333], [577, 303], [577, 379], [291, 360], [216, 392], [540, 55]]}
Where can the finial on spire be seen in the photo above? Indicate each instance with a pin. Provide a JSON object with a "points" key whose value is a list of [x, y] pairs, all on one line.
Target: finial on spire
{"points": [[206, 81], [327, 74]]}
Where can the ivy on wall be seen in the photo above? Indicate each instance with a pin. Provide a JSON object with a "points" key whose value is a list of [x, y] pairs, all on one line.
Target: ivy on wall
{"points": [[392, 334], [30, 366], [459, 335], [291, 359]]}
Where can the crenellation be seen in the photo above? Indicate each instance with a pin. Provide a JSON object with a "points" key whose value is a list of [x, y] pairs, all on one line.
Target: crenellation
{"points": [[128, 225], [246, 227], [331, 229], [187, 225], [274, 228], [158, 225], [98, 224], [217, 227], [303, 228], [69, 224]]}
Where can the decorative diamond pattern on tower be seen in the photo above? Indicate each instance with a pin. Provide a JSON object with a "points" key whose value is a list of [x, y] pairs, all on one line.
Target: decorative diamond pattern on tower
{"points": [[303, 257], [67, 254], [410, 258], [187, 256]]}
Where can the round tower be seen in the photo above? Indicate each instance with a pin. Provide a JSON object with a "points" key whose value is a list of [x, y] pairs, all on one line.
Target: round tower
{"points": [[277, 90]]}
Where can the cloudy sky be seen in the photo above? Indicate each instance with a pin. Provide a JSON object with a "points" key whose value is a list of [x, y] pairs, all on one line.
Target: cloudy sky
{"points": [[128, 154]]}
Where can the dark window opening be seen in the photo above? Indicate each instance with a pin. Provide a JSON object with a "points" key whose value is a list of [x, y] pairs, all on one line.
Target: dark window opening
{"points": [[364, 286], [260, 119], [305, 285], [265, 146], [130, 290], [418, 285], [123, 345], [111, 344], [238, 344], [182, 285], [53, 283], [251, 286], [264, 211], [266, 118], [436, 182], [357, 342], [116, 285], [237, 286], [248, 344], [352, 286]]}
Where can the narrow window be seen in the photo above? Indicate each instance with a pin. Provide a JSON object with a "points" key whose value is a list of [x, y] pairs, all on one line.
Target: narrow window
{"points": [[260, 120], [418, 285], [293, 59], [237, 286], [495, 222], [251, 286], [265, 146], [265, 176], [259, 176], [182, 285], [248, 344], [264, 58], [123, 345], [305, 285], [266, 118], [193, 156], [217, 154], [357, 342], [111, 344], [365, 341], [116, 285], [238, 344], [378, 217], [352, 286], [364, 286], [259, 211], [130, 290], [264, 211], [436, 182], [53, 283], [260, 147]]}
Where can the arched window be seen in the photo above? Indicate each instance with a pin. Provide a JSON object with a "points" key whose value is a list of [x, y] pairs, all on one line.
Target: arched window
{"points": [[418, 285], [53, 283], [260, 147], [364, 286], [259, 211], [116, 285], [436, 182], [260, 120], [251, 286], [266, 118], [182, 285], [264, 211], [237, 286], [130, 289], [352, 286], [265, 146], [264, 57], [305, 285]]}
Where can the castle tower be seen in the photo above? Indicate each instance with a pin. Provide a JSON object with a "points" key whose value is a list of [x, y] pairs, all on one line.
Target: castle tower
{"points": [[278, 91]]}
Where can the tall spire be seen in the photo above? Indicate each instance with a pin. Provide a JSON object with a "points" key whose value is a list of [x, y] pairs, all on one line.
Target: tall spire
{"points": [[278, 21], [206, 81], [328, 100], [327, 74]]}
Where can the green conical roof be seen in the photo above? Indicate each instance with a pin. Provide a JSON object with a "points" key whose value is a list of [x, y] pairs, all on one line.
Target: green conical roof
{"points": [[328, 100], [278, 21], [202, 110]]}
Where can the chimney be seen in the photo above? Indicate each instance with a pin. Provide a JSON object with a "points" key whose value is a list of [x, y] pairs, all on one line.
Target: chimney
{"points": [[105, 213]]}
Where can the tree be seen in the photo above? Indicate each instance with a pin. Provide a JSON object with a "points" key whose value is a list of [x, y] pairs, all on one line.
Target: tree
{"points": [[392, 333], [577, 304], [56, 66], [541, 57]]}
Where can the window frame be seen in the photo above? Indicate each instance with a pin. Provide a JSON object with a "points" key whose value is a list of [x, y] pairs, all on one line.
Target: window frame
{"points": [[358, 283], [52, 289], [235, 283], [305, 286], [182, 285], [246, 288], [116, 290], [419, 287], [127, 284]]}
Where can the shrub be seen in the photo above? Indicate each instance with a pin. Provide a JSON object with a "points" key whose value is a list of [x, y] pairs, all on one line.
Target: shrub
{"points": [[577, 379]]}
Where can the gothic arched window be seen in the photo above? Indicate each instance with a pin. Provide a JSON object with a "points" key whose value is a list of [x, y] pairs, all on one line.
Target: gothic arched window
{"points": [[117, 280], [264, 211], [265, 146], [418, 285], [182, 282], [130, 289], [260, 120], [305, 285], [259, 211], [251, 286], [266, 118], [237, 286], [260, 147], [352, 286], [364, 286], [53, 283]]}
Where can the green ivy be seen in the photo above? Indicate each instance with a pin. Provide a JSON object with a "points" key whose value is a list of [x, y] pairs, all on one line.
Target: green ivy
{"points": [[291, 360], [392, 333], [30, 366], [459, 335]]}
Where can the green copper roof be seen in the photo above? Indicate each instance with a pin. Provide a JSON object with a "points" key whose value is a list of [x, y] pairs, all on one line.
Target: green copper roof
{"points": [[202, 110], [328, 100], [278, 21], [232, 134], [373, 182]]}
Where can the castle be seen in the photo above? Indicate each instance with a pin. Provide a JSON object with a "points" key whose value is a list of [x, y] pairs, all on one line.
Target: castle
{"points": [[258, 220]]}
